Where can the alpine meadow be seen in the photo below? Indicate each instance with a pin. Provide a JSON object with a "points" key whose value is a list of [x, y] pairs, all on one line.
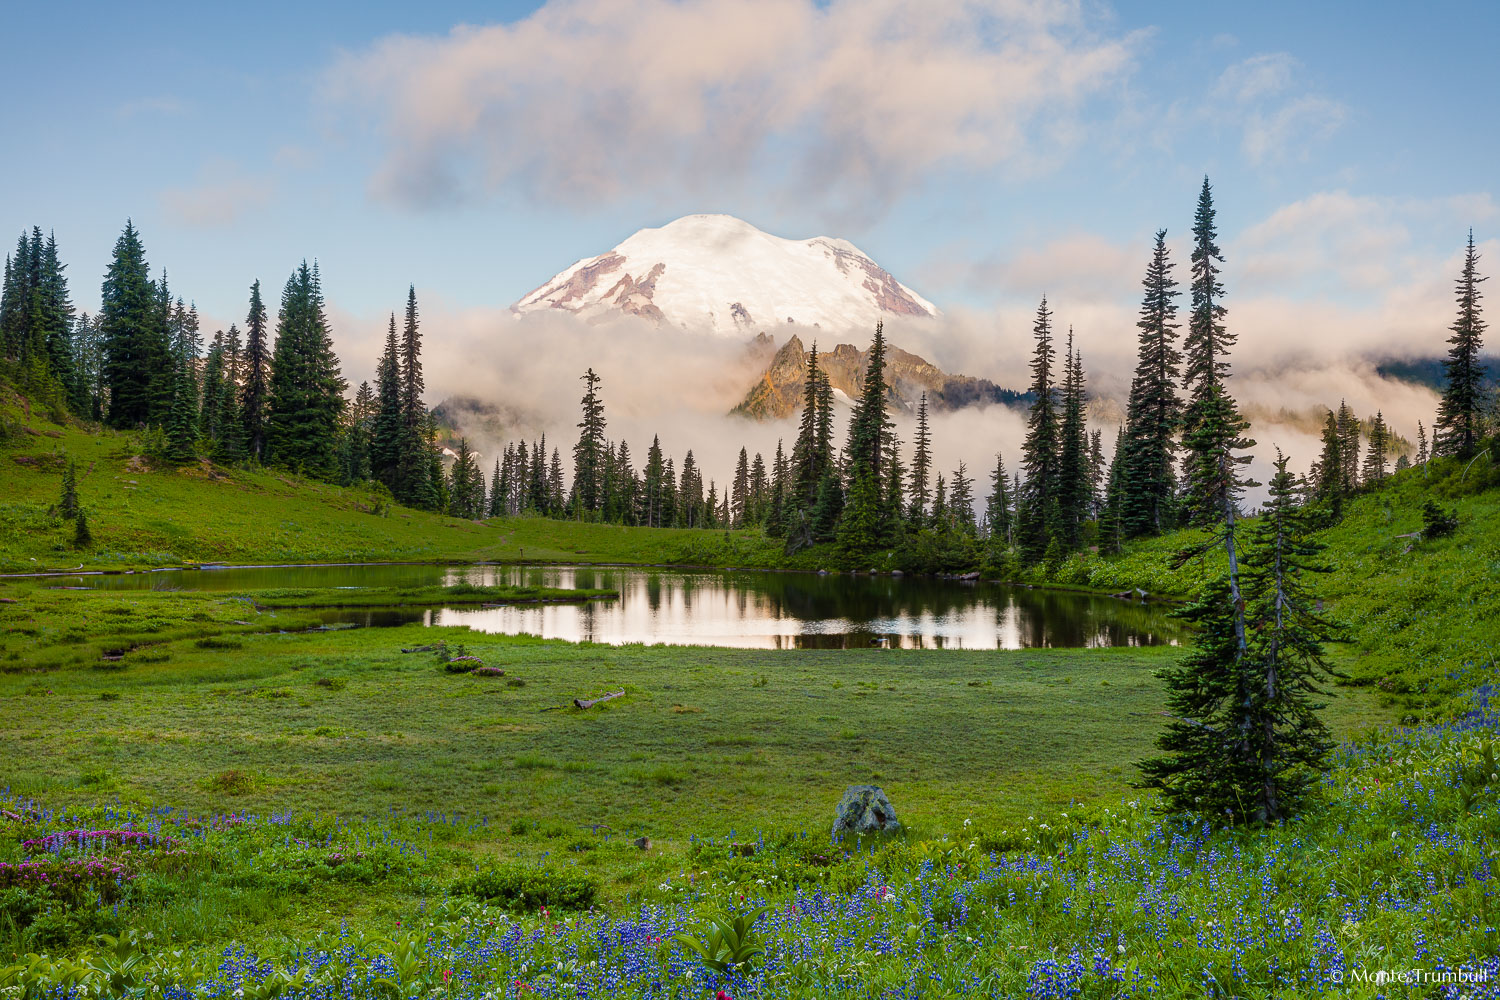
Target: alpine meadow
{"points": [[722, 617]]}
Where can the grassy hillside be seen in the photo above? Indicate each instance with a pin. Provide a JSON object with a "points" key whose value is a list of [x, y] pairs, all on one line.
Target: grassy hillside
{"points": [[142, 516], [1422, 614]]}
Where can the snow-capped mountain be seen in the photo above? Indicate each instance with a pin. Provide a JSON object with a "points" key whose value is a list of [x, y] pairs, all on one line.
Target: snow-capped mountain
{"points": [[721, 275]]}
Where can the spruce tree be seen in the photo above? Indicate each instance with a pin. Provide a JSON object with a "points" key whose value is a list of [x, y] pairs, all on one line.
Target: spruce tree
{"points": [[776, 508], [1039, 455], [1421, 444], [588, 453], [257, 377], [961, 500], [182, 419], [1460, 414], [1328, 480], [67, 504], [921, 465], [135, 353], [760, 491], [1074, 491], [653, 500], [305, 393], [809, 456], [1149, 482], [740, 505], [1287, 741], [415, 483], [1373, 472], [1212, 425], [997, 512], [83, 538], [1348, 427], [1117, 497], [863, 507], [389, 426]]}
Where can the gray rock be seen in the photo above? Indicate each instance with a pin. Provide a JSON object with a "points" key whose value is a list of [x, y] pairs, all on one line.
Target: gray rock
{"points": [[864, 810]]}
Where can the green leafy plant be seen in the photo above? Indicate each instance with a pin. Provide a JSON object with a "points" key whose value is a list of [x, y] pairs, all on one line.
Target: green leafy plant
{"points": [[726, 943]]}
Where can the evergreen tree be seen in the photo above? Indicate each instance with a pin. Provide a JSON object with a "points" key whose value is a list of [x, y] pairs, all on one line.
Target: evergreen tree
{"points": [[1074, 492], [357, 436], [1212, 425], [961, 500], [135, 353], [1329, 485], [210, 413], [1040, 452], [182, 419], [776, 509], [83, 538], [415, 483], [1287, 741], [864, 510], [653, 500], [588, 453], [921, 465], [997, 513], [1421, 444], [1348, 430], [740, 506], [760, 491], [465, 484], [67, 505], [1374, 470], [1117, 497], [556, 495], [1149, 481], [388, 429], [305, 396], [257, 377], [812, 451], [1460, 413]]}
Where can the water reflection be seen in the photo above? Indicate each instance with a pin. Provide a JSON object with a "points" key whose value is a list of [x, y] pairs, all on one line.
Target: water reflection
{"points": [[743, 609]]}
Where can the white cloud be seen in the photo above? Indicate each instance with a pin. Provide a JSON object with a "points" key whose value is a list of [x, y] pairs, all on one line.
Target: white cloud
{"points": [[1278, 117], [588, 100], [220, 196]]}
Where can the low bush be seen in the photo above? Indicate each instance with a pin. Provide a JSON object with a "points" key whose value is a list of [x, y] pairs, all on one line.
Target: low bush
{"points": [[524, 887]]}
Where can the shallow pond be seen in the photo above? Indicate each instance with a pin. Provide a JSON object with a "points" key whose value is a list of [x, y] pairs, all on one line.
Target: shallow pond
{"points": [[745, 609]]}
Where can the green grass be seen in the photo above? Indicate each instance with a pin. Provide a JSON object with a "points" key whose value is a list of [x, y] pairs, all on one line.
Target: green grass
{"points": [[345, 721], [393, 597], [1422, 614], [143, 516]]}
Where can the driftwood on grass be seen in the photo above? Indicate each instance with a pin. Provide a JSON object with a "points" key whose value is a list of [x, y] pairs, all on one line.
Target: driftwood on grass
{"points": [[580, 703], [424, 649]]}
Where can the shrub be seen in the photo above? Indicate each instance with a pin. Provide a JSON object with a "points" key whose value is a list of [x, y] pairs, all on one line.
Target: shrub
{"points": [[527, 888], [1437, 522]]}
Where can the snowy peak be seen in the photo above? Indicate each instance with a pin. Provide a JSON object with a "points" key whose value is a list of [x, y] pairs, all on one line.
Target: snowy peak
{"points": [[721, 275]]}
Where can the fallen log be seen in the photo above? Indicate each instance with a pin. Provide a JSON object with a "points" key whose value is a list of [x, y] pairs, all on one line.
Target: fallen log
{"points": [[424, 649], [580, 703]]}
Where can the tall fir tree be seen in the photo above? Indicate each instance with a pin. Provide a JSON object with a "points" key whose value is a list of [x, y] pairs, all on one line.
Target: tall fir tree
{"points": [[1374, 470], [416, 485], [1212, 425], [305, 397], [740, 502], [1039, 453], [388, 429], [921, 465], [1074, 490], [1149, 486], [1348, 428], [1328, 480], [256, 389], [1461, 411], [997, 512], [588, 454], [136, 359]]}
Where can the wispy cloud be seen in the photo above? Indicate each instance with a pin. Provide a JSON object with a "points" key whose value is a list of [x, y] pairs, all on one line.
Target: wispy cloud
{"points": [[589, 100], [1279, 119], [218, 199]]}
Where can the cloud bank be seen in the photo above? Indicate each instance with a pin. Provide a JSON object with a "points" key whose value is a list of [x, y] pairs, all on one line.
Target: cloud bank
{"points": [[849, 100]]}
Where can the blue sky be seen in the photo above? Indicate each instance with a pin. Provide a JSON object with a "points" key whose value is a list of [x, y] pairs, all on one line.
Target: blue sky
{"points": [[242, 138]]}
